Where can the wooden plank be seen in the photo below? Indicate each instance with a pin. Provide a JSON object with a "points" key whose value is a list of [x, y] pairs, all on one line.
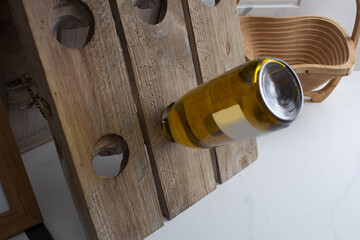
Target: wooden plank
{"points": [[217, 47], [24, 211], [29, 127], [163, 71], [88, 95]]}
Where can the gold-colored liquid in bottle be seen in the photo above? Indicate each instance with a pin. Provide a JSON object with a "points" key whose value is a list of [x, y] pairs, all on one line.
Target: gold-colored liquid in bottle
{"points": [[260, 96]]}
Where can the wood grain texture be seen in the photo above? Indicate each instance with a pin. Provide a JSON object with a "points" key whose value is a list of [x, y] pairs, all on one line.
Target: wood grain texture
{"points": [[89, 96], [317, 48], [24, 211], [237, 156], [163, 71], [217, 48], [29, 127], [148, 11]]}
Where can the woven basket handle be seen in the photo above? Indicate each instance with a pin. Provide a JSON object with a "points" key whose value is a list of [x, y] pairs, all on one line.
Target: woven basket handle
{"points": [[356, 31]]}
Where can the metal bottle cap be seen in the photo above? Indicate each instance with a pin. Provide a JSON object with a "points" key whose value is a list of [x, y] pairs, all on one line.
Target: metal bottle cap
{"points": [[280, 89]]}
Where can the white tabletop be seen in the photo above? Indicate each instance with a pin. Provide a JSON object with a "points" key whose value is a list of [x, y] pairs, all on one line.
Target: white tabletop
{"points": [[304, 185]]}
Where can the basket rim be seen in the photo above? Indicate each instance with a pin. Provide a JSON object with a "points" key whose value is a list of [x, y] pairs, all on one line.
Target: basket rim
{"points": [[343, 69]]}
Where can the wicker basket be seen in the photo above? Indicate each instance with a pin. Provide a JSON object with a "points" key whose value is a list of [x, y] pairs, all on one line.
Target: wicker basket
{"points": [[317, 48]]}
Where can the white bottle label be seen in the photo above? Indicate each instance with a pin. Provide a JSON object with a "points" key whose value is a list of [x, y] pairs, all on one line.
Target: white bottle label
{"points": [[234, 124]]}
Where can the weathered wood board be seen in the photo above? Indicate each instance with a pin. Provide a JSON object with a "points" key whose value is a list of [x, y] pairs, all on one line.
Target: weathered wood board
{"points": [[217, 47], [88, 96], [163, 71]]}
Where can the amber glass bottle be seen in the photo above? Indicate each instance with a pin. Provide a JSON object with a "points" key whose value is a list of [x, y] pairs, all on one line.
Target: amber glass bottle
{"points": [[260, 96]]}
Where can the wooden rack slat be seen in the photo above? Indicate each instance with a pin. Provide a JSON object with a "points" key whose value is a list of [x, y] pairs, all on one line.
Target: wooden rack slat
{"points": [[88, 95], [163, 71], [217, 47]]}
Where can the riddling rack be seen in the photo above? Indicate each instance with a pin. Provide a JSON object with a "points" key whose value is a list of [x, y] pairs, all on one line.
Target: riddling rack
{"points": [[104, 92]]}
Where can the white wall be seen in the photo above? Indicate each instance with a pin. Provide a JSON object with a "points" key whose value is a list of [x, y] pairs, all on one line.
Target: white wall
{"points": [[341, 11]]}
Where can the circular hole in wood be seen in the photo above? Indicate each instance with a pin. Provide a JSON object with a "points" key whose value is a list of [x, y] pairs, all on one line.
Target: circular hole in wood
{"points": [[72, 23], [110, 156], [210, 3], [150, 11]]}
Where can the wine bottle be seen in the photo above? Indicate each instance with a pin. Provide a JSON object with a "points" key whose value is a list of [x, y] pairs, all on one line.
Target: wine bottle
{"points": [[260, 96]]}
